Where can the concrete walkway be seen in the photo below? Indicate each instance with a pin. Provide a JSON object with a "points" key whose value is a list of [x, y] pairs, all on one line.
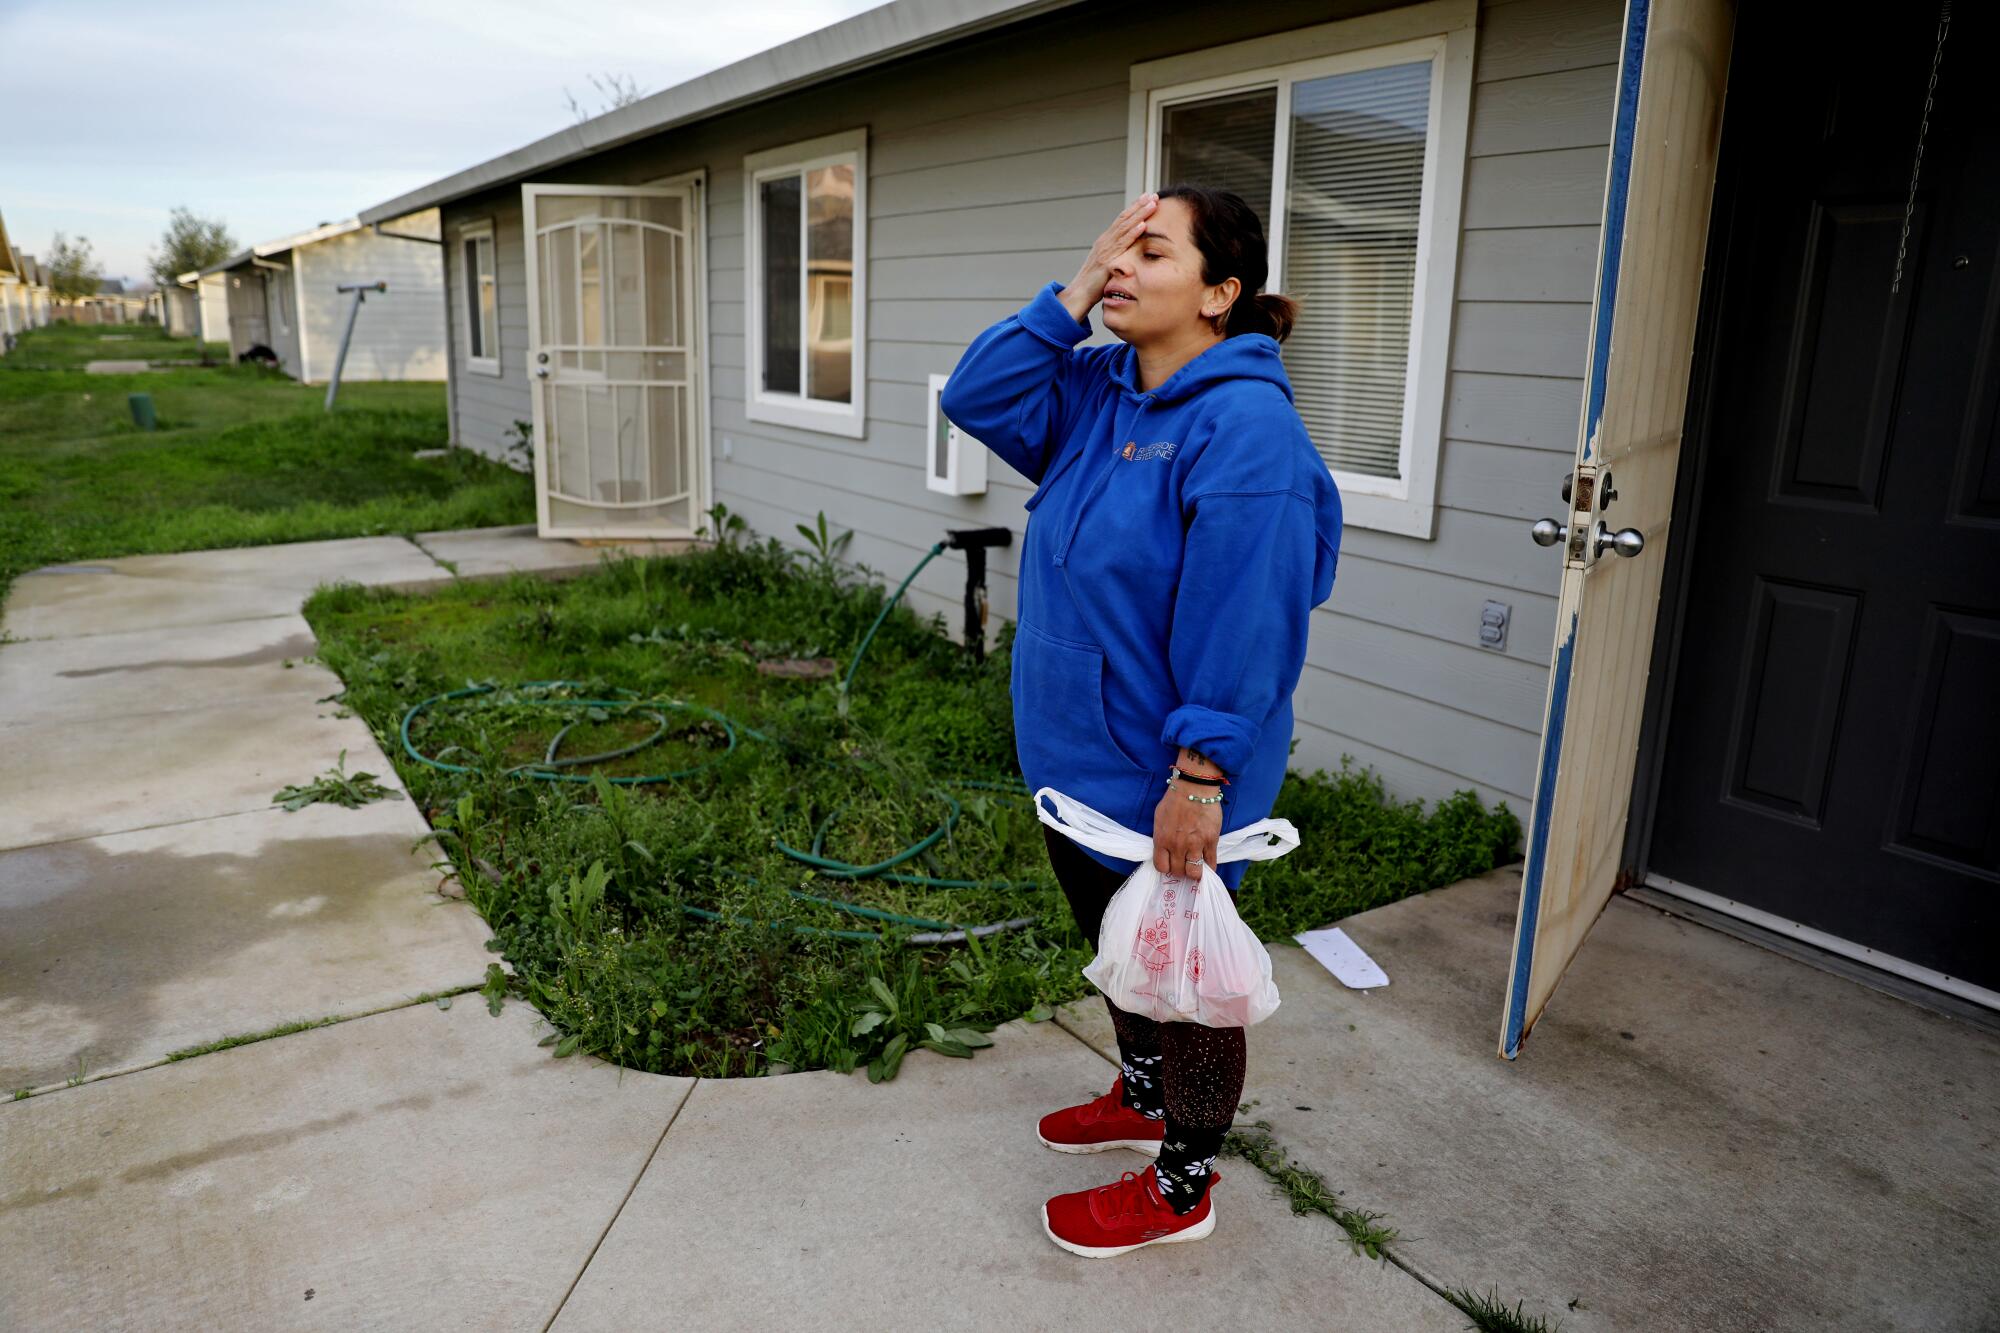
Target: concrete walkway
{"points": [[1700, 1135], [413, 1166]]}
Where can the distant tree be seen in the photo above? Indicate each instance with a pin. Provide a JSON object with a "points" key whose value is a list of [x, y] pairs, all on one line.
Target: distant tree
{"points": [[616, 89], [189, 242], [72, 269]]}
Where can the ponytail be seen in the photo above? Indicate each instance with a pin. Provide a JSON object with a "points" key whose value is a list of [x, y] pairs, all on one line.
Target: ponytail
{"points": [[1266, 312]]}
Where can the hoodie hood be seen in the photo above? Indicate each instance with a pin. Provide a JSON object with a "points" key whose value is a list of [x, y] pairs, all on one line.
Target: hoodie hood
{"points": [[1247, 356]]}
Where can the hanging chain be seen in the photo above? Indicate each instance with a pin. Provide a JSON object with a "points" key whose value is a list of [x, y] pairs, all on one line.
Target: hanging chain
{"points": [[1923, 131]]}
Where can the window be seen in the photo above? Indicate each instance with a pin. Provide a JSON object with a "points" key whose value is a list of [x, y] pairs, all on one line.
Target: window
{"points": [[1349, 141], [480, 296], [805, 284]]}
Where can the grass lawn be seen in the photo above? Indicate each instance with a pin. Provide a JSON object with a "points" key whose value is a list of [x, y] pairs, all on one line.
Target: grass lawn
{"points": [[242, 457], [662, 926]]}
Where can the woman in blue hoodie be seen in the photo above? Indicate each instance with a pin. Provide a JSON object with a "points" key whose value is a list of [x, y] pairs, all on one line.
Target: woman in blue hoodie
{"points": [[1181, 530]]}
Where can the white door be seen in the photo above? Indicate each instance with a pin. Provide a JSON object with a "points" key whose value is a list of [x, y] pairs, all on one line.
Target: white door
{"points": [[1614, 538], [612, 359]]}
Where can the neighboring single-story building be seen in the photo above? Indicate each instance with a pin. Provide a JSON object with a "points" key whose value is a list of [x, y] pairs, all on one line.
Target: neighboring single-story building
{"points": [[16, 307], [1764, 687], [36, 282], [285, 295], [110, 304], [180, 311], [24, 292], [210, 293]]}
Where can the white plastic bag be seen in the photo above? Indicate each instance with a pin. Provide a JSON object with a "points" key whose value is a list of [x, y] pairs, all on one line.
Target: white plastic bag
{"points": [[1170, 948]]}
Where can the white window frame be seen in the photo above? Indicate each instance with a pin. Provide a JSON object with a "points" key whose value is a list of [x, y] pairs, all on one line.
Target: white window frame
{"points": [[1441, 30], [472, 230], [789, 409]]}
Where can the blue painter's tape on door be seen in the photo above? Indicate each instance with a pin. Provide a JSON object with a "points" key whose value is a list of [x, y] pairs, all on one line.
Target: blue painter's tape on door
{"points": [[1617, 187]]}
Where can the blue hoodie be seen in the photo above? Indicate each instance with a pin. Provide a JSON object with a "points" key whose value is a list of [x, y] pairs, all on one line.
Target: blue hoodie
{"points": [[1177, 542]]}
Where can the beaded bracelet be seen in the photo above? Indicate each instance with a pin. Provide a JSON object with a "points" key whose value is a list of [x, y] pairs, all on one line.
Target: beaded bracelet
{"points": [[1206, 800]]}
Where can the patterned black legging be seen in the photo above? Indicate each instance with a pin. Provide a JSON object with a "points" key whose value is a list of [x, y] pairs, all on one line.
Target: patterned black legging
{"points": [[1190, 1075]]}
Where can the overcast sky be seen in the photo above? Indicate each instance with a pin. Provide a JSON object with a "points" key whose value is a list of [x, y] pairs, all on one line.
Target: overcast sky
{"points": [[276, 117]]}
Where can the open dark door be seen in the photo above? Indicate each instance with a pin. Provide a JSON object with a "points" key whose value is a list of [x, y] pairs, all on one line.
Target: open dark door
{"points": [[1832, 754]]}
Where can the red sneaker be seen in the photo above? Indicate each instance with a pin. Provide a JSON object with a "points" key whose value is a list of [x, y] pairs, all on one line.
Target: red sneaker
{"points": [[1130, 1215], [1102, 1124]]}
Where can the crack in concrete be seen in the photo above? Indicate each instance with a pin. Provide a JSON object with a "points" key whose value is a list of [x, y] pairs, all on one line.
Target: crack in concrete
{"points": [[619, 1211]]}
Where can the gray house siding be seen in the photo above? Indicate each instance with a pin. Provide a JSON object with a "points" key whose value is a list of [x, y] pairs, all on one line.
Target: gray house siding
{"points": [[995, 163], [487, 406]]}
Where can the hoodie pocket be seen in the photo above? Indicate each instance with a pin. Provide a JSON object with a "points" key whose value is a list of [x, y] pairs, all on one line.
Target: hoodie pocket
{"points": [[1060, 729]]}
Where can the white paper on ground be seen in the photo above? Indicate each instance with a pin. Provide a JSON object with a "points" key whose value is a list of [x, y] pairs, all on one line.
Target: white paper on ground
{"points": [[1343, 957]]}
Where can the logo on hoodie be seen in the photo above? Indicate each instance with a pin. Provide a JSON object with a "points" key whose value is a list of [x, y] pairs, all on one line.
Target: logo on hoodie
{"points": [[1134, 452]]}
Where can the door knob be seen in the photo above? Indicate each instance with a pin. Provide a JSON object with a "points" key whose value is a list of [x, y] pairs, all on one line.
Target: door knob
{"points": [[1627, 542], [1546, 532], [541, 372]]}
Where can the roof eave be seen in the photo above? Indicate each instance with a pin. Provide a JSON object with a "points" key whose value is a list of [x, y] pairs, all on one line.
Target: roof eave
{"points": [[236, 260], [875, 37]]}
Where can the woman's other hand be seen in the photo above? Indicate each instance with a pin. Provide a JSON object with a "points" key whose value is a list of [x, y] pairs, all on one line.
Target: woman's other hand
{"points": [[1087, 288], [1182, 831]]}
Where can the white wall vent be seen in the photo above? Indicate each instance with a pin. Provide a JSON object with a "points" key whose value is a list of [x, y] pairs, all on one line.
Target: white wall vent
{"points": [[954, 462]]}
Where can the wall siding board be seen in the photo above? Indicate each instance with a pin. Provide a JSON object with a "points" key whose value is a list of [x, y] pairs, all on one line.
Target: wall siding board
{"points": [[1568, 109], [986, 183], [1563, 187], [1090, 115], [1498, 550], [1320, 748], [1468, 680], [1542, 36], [1520, 337], [1528, 264], [955, 230], [1033, 173], [1439, 606], [1534, 411], [1504, 480], [994, 276], [1481, 750]]}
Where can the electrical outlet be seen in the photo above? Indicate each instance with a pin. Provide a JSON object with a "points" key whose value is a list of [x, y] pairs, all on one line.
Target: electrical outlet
{"points": [[1493, 619], [728, 447]]}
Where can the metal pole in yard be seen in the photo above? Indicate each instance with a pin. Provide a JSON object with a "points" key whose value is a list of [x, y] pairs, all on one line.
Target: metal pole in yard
{"points": [[360, 290]]}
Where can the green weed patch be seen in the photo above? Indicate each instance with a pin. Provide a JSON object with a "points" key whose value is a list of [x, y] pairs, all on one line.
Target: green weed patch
{"points": [[664, 926], [336, 786]]}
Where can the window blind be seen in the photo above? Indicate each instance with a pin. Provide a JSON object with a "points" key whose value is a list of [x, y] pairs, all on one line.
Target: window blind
{"points": [[1353, 199]]}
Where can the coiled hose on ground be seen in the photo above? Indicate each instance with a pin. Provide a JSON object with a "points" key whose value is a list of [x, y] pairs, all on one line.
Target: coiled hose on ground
{"points": [[554, 766]]}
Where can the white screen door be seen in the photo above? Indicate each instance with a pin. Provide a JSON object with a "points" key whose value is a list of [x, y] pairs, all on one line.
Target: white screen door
{"points": [[612, 359]]}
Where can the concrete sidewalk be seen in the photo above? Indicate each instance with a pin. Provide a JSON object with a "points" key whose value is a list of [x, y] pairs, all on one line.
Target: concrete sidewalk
{"points": [[413, 1166], [1700, 1135]]}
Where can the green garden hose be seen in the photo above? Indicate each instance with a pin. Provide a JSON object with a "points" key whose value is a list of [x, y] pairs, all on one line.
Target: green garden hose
{"points": [[551, 768]]}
